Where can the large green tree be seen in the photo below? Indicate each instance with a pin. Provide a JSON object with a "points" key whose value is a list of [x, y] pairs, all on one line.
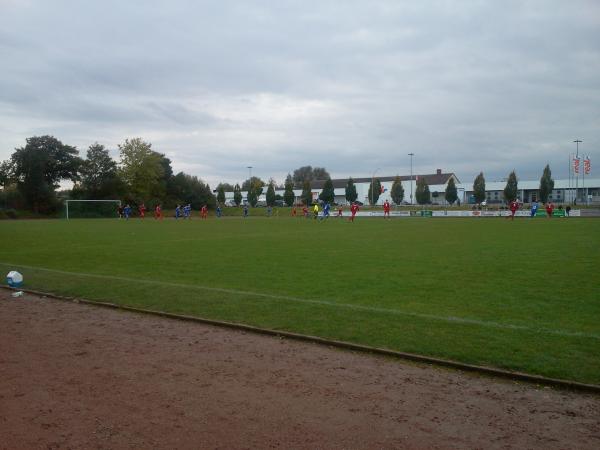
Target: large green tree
{"points": [[288, 195], [39, 167], [451, 191], [142, 169], [99, 175], [374, 191], [306, 193], [328, 193], [511, 188], [270, 196], [192, 190], [5, 173], [254, 187], [226, 187], [221, 194], [422, 194], [351, 194], [397, 193], [165, 188], [252, 197], [253, 183], [309, 173], [237, 195], [546, 184], [479, 188]]}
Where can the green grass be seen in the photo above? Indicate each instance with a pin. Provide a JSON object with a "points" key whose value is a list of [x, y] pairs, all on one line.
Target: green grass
{"points": [[522, 295]]}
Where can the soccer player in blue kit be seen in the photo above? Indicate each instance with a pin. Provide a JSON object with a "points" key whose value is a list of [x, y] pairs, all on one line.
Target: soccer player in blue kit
{"points": [[534, 208], [326, 210]]}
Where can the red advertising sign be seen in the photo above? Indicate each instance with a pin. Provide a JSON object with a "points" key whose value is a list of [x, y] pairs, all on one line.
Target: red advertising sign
{"points": [[576, 165], [587, 166]]}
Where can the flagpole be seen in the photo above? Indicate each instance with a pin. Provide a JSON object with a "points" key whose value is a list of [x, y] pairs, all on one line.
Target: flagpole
{"points": [[569, 173], [583, 182], [577, 142]]}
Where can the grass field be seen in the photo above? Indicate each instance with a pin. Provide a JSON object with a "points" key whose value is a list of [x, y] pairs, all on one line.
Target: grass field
{"points": [[522, 295]]}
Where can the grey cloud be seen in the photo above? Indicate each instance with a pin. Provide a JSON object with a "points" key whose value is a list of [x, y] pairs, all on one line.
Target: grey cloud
{"points": [[467, 86]]}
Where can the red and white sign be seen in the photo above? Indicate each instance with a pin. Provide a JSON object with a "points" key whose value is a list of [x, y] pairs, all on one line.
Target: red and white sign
{"points": [[587, 166], [576, 165]]}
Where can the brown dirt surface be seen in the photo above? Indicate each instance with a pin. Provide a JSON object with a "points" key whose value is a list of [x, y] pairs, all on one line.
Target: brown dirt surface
{"points": [[79, 376]]}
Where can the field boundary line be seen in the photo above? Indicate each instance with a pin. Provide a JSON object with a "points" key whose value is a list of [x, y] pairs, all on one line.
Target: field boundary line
{"points": [[483, 370], [447, 319]]}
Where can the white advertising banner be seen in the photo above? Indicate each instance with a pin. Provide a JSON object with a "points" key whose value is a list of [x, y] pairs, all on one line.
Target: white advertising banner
{"points": [[454, 213]]}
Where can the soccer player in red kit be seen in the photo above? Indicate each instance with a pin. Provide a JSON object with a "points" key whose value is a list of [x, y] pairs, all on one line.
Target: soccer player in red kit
{"points": [[353, 211], [514, 205], [549, 209], [158, 212], [293, 211], [386, 209], [340, 211], [305, 211], [142, 210], [204, 212]]}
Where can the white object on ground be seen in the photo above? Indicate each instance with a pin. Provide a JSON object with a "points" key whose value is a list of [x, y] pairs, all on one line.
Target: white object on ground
{"points": [[14, 278]]}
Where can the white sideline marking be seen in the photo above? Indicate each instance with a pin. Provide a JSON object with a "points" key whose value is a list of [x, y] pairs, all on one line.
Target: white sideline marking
{"points": [[450, 319]]}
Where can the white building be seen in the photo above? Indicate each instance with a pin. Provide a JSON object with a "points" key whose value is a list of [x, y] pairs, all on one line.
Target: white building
{"points": [[585, 191], [565, 191]]}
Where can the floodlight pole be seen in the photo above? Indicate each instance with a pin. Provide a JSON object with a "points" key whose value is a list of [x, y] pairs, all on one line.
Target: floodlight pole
{"points": [[577, 142], [411, 177]]}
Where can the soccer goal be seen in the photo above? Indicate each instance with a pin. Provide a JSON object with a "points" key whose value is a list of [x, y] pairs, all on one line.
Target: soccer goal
{"points": [[91, 209]]}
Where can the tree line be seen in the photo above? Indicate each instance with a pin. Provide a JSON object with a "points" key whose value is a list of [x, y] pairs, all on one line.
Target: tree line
{"points": [[422, 194], [511, 188], [32, 175]]}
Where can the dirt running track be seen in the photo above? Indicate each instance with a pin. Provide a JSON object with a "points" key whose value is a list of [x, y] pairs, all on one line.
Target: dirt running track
{"points": [[78, 376]]}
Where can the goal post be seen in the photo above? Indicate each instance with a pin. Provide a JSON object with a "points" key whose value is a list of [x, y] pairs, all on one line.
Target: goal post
{"points": [[91, 208]]}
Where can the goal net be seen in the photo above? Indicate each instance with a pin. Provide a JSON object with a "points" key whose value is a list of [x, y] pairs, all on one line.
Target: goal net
{"points": [[91, 209]]}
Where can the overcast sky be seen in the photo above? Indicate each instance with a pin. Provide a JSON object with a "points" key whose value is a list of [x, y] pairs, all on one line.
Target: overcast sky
{"points": [[351, 86]]}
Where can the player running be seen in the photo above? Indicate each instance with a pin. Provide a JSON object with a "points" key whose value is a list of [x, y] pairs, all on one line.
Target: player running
{"points": [[353, 210], [514, 205], [142, 210], [326, 211], [549, 209], [158, 212], [340, 212], [127, 211], [386, 209], [305, 212], [204, 212], [218, 211], [534, 208], [245, 211], [120, 211], [293, 211], [316, 211], [177, 212]]}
